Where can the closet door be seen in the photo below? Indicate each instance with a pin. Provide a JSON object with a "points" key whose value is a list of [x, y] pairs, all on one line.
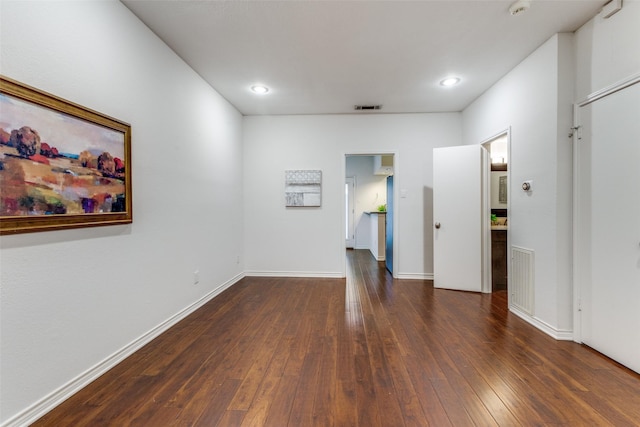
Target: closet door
{"points": [[608, 241]]}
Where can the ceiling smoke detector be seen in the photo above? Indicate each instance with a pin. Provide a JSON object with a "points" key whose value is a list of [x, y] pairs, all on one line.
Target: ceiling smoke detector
{"points": [[519, 7], [367, 107]]}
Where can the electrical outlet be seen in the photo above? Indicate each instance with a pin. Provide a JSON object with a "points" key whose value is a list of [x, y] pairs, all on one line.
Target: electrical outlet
{"points": [[238, 259], [196, 277]]}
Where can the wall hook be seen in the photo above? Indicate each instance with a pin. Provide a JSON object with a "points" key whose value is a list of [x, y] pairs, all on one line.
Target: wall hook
{"points": [[573, 130]]}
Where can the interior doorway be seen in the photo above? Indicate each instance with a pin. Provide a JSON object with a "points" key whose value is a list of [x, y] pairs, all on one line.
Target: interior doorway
{"points": [[366, 176], [498, 199]]}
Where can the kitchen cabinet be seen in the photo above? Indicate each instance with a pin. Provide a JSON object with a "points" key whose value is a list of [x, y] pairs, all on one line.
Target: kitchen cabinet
{"points": [[378, 232], [498, 259]]}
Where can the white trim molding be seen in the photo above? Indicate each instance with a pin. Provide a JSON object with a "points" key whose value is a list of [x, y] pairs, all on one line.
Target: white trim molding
{"points": [[558, 334], [314, 274], [415, 276], [55, 398], [608, 90]]}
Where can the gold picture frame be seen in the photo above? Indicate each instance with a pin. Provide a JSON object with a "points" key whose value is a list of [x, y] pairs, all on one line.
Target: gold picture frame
{"points": [[61, 165]]}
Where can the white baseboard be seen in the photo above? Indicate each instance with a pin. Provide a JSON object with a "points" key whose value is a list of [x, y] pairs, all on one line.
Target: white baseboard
{"points": [[558, 334], [55, 398], [376, 257], [316, 274], [329, 275], [415, 276]]}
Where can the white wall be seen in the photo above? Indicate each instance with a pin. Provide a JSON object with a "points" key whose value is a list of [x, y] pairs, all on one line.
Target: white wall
{"points": [[607, 50], [534, 102], [371, 192], [70, 299], [536, 99], [310, 241]]}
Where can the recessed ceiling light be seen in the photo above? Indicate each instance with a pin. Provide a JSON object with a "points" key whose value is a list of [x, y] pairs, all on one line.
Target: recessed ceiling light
{"points": [[450, 81], [259, 89]]}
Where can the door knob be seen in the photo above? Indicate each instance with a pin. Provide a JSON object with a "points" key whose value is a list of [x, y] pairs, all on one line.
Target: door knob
{"points": [[437, 225]]}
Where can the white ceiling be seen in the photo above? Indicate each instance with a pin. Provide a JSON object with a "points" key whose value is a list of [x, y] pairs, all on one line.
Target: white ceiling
{"points": [[323, 57]]}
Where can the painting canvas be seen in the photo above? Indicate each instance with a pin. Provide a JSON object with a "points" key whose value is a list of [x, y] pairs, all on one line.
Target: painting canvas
{"points": [[303, 187], [61, 165], [502, 190]]}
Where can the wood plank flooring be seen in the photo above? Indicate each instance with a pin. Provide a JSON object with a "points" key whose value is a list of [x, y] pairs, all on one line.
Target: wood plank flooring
{"points": [[369, 351]]}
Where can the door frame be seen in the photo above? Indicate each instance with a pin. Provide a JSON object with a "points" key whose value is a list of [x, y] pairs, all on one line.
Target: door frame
{"points": [[486, 205], [350, 217], [396, 207]]}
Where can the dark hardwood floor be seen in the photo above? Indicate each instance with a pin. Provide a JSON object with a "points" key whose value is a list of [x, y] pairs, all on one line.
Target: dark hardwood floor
{"points": [[371, 351]]}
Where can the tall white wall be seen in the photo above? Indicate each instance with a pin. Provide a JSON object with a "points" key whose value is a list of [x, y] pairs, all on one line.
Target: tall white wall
{"points": [[607, 50], [535, 100], [70, 299], [310, 241], [371, 192]]}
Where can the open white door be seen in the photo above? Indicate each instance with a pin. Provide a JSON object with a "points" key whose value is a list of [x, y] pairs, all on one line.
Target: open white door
{"points": [[460, 218]]}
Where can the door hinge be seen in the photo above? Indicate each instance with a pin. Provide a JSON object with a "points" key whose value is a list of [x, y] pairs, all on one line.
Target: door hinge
{"points": [[579, 304], [575, 130]]}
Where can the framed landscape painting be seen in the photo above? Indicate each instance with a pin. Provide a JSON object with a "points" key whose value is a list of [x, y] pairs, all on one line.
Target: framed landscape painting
{"points": [[61, 164]]}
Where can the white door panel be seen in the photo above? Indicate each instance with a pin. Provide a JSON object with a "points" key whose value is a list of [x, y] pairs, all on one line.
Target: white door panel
{"points": [[458, 181], [609, 152]]}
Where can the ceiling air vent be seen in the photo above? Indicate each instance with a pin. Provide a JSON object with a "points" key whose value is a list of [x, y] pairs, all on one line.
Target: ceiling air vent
{"points": [[367, 107]]}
